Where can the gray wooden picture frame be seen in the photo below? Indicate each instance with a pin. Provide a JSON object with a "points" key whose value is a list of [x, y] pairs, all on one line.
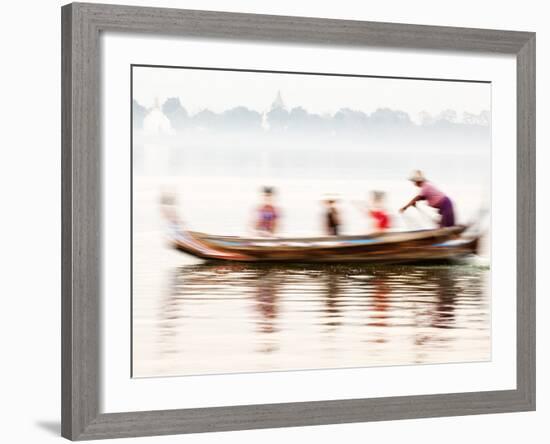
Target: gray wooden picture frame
{"points": [[81, 215]]}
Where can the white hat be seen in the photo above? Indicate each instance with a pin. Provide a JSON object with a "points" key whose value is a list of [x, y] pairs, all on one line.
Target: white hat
{"points": [[417, 176]]}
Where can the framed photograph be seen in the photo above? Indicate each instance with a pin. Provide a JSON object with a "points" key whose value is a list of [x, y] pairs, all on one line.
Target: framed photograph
{"points": [[278, 221]]}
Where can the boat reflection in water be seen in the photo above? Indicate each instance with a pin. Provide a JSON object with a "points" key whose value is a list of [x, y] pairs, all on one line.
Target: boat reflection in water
{"points": [[235, 317]]}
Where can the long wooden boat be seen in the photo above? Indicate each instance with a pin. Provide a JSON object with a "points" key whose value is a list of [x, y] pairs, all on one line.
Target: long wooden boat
{"points": [[387, 247]]}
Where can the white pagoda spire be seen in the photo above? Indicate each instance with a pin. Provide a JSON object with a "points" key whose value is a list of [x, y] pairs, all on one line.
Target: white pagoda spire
{"points": [[278, 102]]}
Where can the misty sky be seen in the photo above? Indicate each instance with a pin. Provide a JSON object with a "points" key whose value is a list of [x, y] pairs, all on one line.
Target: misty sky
{"points": [[222, 90]]}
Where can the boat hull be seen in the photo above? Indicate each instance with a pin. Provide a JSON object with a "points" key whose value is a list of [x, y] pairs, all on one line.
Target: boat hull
{"points": [[396, 247]]}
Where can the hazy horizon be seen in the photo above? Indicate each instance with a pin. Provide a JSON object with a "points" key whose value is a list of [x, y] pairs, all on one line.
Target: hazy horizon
{"points": [[220, 90]]}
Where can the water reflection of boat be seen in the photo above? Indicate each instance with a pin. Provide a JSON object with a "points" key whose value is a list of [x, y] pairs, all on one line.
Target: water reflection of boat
{"points": [[387, 247], [229, 317]]}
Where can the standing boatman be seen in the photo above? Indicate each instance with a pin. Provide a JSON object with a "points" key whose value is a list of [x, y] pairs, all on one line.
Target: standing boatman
{"points": [[434, 197]]}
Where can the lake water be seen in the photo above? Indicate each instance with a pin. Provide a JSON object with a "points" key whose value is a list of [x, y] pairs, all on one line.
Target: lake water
{"points": [[247, 318], [195, 318]]}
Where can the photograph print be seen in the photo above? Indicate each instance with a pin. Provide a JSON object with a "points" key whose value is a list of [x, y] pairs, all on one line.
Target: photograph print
{"points": [[305, 221]]}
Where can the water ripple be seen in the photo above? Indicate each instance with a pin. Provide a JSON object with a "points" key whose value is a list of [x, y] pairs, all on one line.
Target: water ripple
{"points": [[240, 317]]}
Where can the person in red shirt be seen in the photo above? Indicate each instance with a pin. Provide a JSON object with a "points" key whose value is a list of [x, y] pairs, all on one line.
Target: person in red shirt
{"points": [[378, 213]]}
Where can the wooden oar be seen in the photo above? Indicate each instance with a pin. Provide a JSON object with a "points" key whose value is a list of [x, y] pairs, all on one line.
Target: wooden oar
{"points": [[408, 221], [427, 216], [412, 222]]}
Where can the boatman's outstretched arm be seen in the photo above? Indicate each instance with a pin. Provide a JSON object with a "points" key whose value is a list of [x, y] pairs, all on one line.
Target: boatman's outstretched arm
{"points": [[412, 202]]}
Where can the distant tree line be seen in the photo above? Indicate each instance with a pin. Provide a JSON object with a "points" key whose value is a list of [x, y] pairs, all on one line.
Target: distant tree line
{"points": [[298, 119]]}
